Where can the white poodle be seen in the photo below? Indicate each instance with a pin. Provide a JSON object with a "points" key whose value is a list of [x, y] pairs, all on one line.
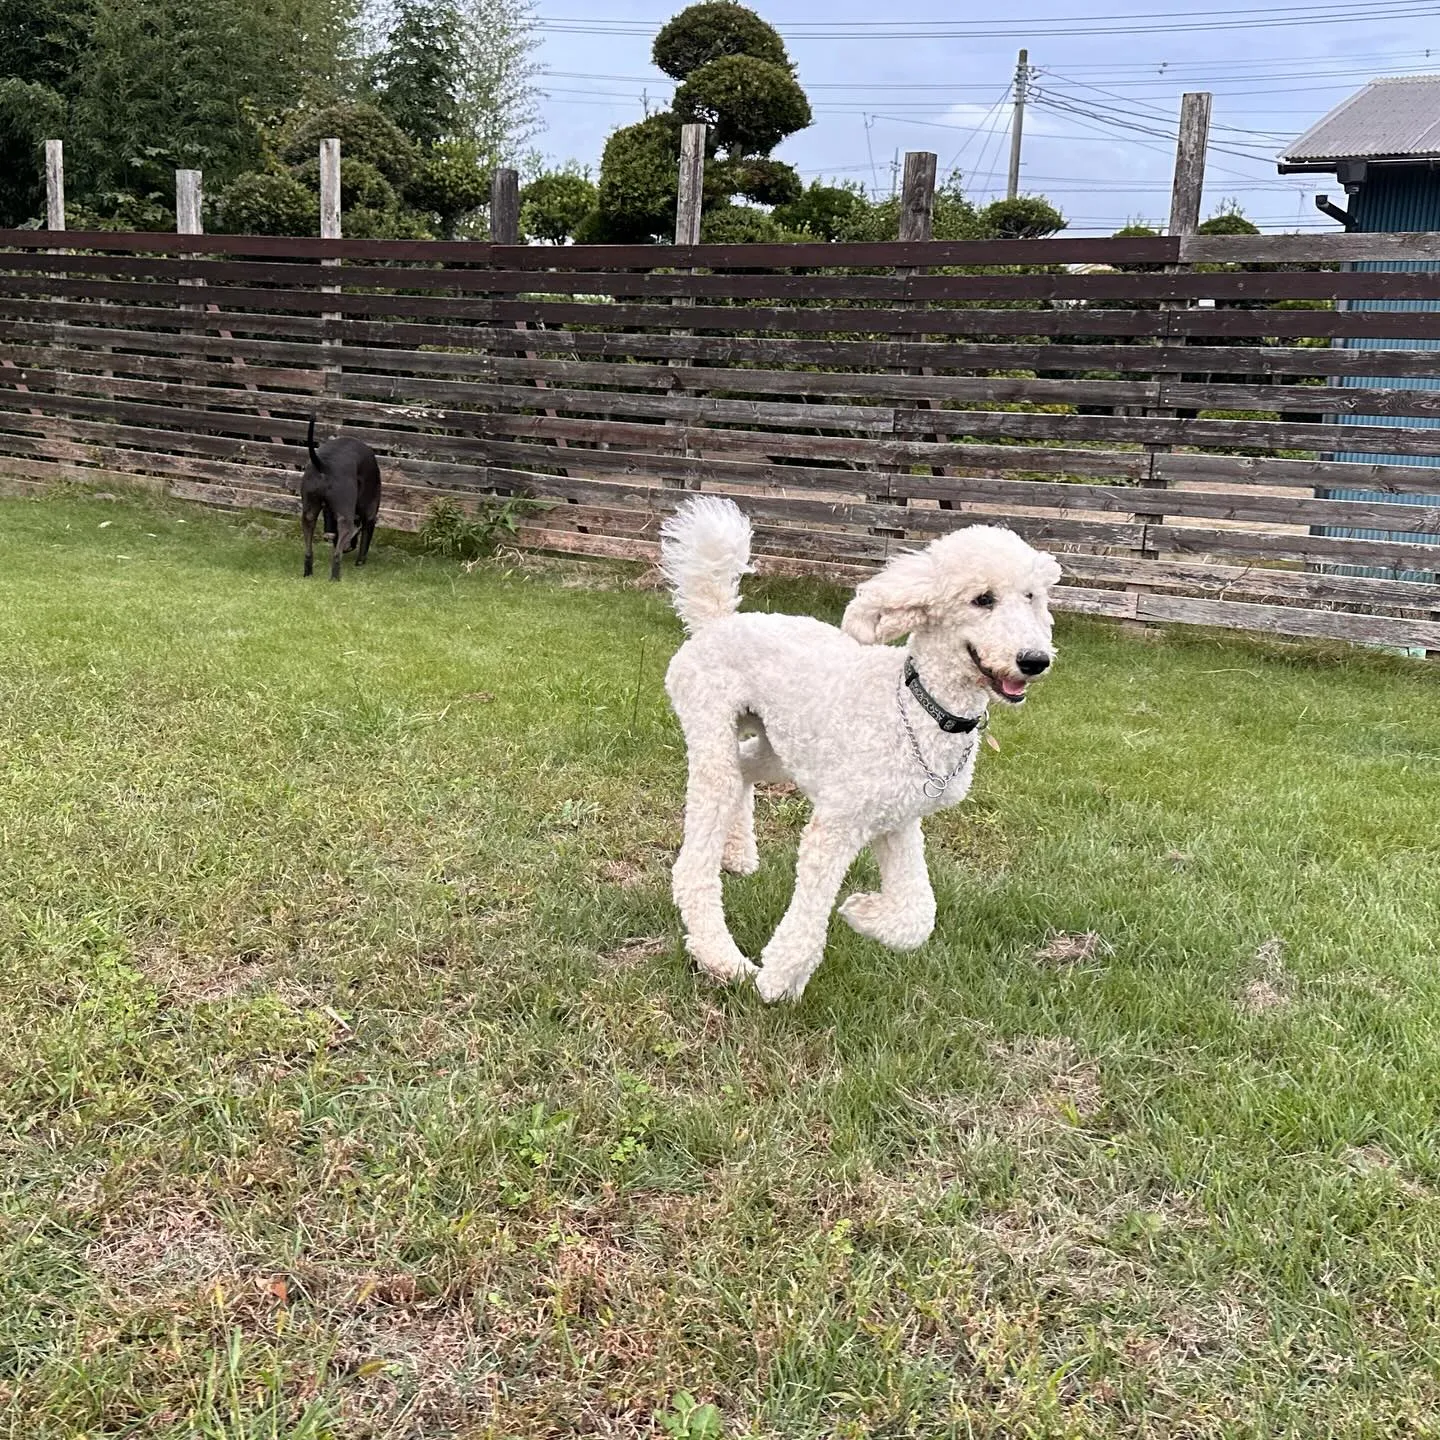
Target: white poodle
{"points": [[875, 735]]}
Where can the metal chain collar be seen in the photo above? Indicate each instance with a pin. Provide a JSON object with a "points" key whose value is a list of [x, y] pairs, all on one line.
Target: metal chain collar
{"points": [[936, 784]]}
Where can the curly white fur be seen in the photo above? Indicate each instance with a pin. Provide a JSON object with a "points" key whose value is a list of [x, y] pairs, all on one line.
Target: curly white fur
{"points": [[704, 550], [786, 697]]}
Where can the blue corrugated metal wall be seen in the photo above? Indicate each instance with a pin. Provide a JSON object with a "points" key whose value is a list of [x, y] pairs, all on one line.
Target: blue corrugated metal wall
{"points": [[1393, 199]]}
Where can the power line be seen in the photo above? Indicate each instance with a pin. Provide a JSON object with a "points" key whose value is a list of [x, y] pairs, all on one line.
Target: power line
{"points": [[1347, 12]]}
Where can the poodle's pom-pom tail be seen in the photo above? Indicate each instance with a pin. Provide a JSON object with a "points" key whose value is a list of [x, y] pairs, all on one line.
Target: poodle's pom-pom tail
{"points": [[704, 550]]}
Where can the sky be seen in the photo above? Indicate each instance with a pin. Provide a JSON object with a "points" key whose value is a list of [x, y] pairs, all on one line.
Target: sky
{"points": [[1107, 78]]}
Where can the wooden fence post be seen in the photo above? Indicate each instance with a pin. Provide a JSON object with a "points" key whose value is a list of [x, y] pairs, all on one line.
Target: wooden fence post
{"points": [[187, 203], [690, 202], [917, 195], [1186, 191], [330, 190], [1190, 164], [54, 184], [505, 207], [330, 230], [917, 217], [689, 209]]}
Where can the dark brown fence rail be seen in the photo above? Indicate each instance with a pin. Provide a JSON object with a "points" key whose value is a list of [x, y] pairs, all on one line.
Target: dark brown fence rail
{"points": [[1161, 413]]}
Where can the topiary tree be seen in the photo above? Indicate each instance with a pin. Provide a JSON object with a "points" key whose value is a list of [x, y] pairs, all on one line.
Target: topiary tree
{"points": [[553, 205], [712, 30], [1027, 217], [635, 200], [448, 183], [737, 80], [365, 133], [750, 104]]}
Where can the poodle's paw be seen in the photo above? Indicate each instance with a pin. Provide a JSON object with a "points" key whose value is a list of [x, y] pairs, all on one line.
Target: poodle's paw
{"points": [[721, 961], [877, 917], [775, 983], [740, 857], [785, 971]]}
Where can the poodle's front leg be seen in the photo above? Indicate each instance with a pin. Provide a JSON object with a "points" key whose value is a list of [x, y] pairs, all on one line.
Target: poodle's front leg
{"points": [[902, 913], [827, 849]]}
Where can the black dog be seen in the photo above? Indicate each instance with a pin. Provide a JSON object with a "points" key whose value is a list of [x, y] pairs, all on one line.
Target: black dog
{"points": [[343, 480]]}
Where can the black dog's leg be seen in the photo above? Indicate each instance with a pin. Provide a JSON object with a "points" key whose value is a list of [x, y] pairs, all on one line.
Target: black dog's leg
{"points": [[308, 517], [367, 534], [344, 529]]}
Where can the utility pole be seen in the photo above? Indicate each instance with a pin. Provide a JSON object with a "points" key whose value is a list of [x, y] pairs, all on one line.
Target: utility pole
{"points": [[1017, 129]]}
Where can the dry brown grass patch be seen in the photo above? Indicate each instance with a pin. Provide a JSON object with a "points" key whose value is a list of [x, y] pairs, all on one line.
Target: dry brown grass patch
{"points": [[172, 1250], [1061, 948]]}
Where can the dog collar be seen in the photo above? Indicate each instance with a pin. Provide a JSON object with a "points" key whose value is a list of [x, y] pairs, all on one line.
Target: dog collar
{"points": [[949, 723]]}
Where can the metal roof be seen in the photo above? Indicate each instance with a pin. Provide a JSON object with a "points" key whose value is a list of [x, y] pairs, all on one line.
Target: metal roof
{"points": [[1395, 119]]}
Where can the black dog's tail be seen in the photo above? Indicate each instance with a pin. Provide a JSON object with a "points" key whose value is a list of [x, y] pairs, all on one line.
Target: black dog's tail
{"points": [[310, 445]]}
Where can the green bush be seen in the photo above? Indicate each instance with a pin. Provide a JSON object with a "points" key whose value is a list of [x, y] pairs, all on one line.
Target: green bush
{"points": [[822, 211], [743, 225], [258, 204], [553, 205], [766, 181], [1027, 217], [449, 531], [636, 195]]}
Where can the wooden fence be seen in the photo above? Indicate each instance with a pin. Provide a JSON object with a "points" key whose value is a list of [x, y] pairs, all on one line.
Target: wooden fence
{"points": [[1155, 411]]}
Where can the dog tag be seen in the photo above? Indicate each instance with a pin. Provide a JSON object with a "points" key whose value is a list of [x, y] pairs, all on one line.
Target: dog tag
{"points": [[991, 741]]}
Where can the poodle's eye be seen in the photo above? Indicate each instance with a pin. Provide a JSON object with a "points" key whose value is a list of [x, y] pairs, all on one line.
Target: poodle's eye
{"points": [[1029, 594], [985, 601]]}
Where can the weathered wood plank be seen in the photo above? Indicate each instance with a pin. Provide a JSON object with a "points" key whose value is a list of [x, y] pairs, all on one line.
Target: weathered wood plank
{"points": [[1324, 249], [1154, 430], [1306, 474], [269, 301], [1291, 620], [1237, 581], [23, 316], [1316, 549], [1293, 324]]}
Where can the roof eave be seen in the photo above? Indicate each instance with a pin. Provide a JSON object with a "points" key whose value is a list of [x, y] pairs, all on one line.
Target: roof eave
{"points": [[1327, 167]]}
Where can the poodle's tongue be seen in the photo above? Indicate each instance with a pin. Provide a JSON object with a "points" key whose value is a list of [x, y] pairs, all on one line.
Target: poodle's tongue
{"points": [[1012, 689]]}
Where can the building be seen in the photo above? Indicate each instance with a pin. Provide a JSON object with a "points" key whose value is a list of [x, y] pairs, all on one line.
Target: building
{"points": [[1383, 147]]}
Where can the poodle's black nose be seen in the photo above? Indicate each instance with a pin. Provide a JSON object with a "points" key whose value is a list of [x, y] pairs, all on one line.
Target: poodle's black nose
{"points": [[1033, 662]]}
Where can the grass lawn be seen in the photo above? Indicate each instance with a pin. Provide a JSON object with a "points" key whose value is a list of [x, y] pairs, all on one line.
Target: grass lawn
{"points": [[353, 1081]]}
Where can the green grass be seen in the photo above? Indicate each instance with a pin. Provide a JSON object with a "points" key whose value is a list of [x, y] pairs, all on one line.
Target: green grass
{"points": [[353, 1081]]}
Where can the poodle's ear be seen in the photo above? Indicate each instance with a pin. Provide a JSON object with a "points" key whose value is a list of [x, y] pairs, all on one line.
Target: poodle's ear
{"points": [[1050, 571], [896, 601]]}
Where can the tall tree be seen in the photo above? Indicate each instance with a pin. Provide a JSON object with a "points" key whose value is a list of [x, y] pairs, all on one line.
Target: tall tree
{"points": [[499, 97], [418, 75], [41, 42], [737, 80]]}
